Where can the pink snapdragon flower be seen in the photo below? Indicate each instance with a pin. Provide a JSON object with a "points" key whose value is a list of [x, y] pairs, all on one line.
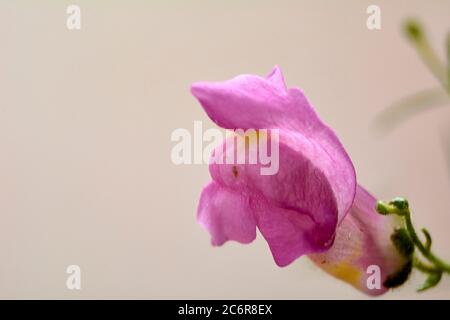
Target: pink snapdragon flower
{"points": [[312, 205]]}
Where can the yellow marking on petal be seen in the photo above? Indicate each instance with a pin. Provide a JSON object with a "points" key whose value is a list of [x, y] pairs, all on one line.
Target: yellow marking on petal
{"points": [[247, 137], [342, 267], [346, 272]]}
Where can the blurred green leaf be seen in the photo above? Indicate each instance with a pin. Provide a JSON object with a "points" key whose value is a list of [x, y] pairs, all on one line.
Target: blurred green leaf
{"points": [[413, 30], [418, 38], [431, 281], [409, 106]]}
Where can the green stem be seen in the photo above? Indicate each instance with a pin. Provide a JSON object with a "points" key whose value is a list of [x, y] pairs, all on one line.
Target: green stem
{"points": [[445, 267], [425, 268]]}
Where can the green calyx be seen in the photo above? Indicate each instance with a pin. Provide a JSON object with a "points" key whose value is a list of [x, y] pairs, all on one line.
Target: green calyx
{"points": [[406, 240], [403, 243], [399, 277], [397, 206]]}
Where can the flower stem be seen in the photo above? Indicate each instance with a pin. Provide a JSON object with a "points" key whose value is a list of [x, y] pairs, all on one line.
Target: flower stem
{"points": [[405, 239], [428, 254], [425, 268]]}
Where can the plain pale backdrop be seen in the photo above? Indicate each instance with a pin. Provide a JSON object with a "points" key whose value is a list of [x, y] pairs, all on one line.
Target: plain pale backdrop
{"points": [[85, 123]]}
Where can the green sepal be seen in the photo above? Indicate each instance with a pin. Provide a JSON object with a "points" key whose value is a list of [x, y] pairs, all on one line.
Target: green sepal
{"points": [[432, 280], [400, 203], [428, 240], [405, 247], [399, 277], [403, 243]]}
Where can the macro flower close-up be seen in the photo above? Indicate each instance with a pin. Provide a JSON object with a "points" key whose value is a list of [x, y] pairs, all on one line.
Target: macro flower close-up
{"points": [[312, 205], [233, 157]]}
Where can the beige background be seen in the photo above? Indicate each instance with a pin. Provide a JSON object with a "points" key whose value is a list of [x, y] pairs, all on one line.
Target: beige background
{"points": [[86, 118]]}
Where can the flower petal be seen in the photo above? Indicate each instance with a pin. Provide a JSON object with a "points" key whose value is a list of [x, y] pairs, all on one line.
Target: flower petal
{"points": [[362, 240], [226, 215], [298, 208], [244, 102], [276, 77], [253, 102], [295, 209]]}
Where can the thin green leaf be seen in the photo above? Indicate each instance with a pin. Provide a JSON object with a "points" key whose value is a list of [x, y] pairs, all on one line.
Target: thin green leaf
{"points": [[420, 42], [431, 281], [428, 240]]}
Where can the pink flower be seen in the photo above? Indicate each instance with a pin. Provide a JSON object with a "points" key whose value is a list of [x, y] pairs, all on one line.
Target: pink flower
{"points": [[362, 240], [309, 205]]}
